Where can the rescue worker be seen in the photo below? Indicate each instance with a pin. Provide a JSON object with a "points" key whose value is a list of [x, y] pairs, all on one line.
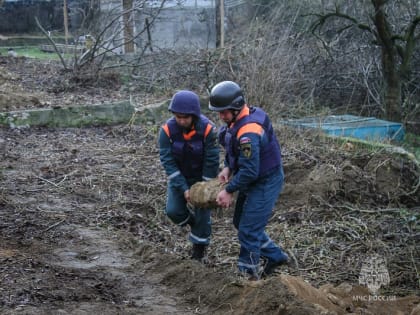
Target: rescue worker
{"points": [[189, 152], [254, 169]]}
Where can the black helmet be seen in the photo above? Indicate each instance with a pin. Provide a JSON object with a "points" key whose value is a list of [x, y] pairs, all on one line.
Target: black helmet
{"points": [[226, 95], [185, 102]]}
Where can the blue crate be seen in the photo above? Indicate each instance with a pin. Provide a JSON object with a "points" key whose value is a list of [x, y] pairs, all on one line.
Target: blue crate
{"points": [[366, 128]]}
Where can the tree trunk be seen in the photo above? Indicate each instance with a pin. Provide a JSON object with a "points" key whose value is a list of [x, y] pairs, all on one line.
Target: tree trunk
{"points": [[128, 26], [392, 86], [392, 89]]}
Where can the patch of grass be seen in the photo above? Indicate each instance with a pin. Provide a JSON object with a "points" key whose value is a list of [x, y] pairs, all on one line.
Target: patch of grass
{"points": [[412, 143], [30, 52], [402, 149]]}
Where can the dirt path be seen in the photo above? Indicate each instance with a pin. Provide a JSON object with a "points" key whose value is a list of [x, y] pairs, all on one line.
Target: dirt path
{"points": [[90, 275], [54, 260]]}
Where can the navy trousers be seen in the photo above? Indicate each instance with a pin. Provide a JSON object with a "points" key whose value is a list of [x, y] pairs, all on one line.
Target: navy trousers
{"points": [[252, 212], [198, 219]]}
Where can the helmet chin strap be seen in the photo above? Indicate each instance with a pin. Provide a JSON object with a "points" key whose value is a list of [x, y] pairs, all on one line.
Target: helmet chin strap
{"points": [[192, 126], [235, 114]]}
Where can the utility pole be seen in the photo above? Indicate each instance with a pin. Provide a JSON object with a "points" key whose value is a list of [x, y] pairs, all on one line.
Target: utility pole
{"points": [[128, 20], [222, 23], [66, 22]]}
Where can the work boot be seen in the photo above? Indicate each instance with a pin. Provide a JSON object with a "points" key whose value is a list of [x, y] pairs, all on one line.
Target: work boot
{"points": [[270, 265], [253, 278], [199, 252]]}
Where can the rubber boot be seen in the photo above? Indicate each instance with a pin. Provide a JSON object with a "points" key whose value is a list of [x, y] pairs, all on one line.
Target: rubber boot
{"points": [[198, 252], [270, 266]]}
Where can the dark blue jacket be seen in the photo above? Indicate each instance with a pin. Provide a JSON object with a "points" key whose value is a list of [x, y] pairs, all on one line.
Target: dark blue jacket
{"points": [[189, 156], [252, 149]]}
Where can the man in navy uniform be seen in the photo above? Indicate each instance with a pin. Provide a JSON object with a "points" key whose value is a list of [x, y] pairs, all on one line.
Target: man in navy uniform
{"points": [[189, 153], [254, 169]]}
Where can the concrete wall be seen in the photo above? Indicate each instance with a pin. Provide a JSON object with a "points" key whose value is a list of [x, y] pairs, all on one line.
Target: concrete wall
{"points": [[184, 28], [72, 116]]}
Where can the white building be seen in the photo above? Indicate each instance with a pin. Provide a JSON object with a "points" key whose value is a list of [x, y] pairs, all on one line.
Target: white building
{"points": [[184, 24]]}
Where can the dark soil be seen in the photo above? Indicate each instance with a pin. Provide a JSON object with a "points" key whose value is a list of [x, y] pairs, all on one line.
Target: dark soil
{"points": [[82, 227]]}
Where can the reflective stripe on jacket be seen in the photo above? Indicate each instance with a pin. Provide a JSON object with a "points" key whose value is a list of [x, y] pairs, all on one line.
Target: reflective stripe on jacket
{"points": [[252, 130]]}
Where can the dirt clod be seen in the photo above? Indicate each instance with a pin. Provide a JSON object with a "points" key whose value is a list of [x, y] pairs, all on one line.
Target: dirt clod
{"points": [[203, 194]]}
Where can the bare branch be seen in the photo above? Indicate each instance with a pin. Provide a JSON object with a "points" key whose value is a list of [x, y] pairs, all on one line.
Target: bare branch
{"points": [[323, 18], [52, 42]]}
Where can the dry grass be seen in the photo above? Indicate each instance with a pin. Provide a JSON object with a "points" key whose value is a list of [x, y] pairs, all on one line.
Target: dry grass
{"points": [[334, 211]]}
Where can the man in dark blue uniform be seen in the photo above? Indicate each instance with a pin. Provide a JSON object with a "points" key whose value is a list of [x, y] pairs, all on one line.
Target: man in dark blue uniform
{"points": [[254, 169], [189, 153]]}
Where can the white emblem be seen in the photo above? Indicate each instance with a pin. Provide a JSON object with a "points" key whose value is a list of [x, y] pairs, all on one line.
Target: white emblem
{"points": [[374, 273]]}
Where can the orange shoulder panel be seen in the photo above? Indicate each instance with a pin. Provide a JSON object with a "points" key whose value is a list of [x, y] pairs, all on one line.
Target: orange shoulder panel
{"points": [[207, 131], [166, 129], [251, 127]]}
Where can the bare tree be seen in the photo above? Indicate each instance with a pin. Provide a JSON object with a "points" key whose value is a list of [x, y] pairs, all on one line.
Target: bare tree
{"points": [[264, 52], [112, 33], [396, 39]]}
